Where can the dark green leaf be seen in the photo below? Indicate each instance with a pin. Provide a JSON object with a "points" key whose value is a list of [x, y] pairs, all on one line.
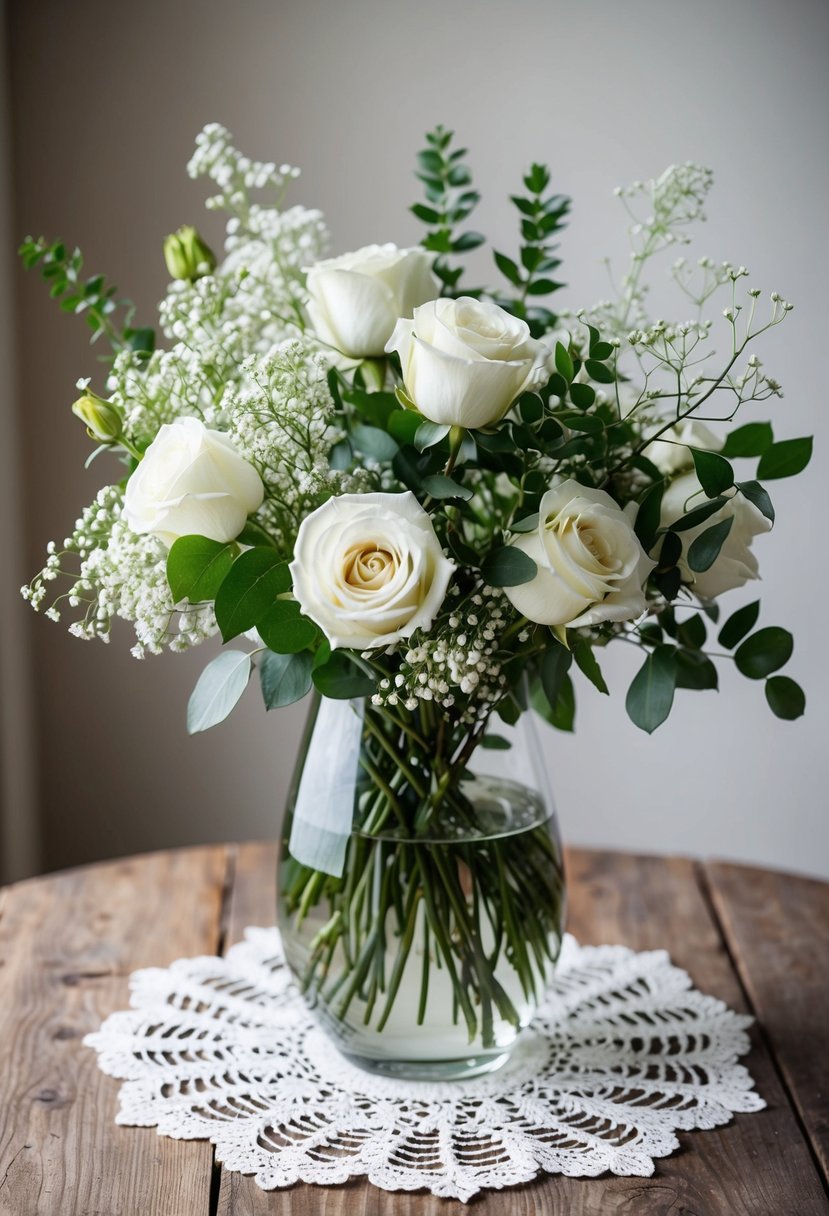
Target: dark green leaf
{"points": [[555, 663], [670, 550], [429, 434], [284, 678], [508, 567], [444, 487], [600, 350], [714, 472], [786, 698], [648, 516], [600, 372], [785, 459], [460, 550], [285, 630], [542, 287], [738, 625], [255, 579], [197, 566], [764, 652], [692, 633], [651, 694], [753, 439], [705, 549], [528, 524], [563, 362], [219, 687], [698, 515], [403, 425], [582, 395], [341, 679], [754, 492], [508, 268], [588, 664], [695, 670], [496, 743]]}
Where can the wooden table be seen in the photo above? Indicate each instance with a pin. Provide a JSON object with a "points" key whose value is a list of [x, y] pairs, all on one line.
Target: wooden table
{"points": [[68, 942]]}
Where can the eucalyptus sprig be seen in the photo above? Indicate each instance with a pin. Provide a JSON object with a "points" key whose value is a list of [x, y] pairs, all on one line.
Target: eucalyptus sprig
{"points": [[96, 299], [450, 199], [541, 217]]}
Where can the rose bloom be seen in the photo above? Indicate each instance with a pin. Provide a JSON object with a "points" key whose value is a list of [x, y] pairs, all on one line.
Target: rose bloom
{"points": [[355, 300], [591, 566], [192, 481], [672, 453], [735, 564], [465, 361], [369, 569]]}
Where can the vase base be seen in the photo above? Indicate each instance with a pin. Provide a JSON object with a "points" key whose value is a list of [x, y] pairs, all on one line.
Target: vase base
{"points": [[431, 1070]]}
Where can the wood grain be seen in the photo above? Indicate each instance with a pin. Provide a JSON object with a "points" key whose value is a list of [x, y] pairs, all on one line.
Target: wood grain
{"points": [[777, 929], [740, 1170], [68, 943]]}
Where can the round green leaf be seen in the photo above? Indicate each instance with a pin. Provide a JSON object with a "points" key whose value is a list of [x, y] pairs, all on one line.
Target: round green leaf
{"points": [[285, 630], [508, 567], [764, 652], [285, 678], [786, 698]]}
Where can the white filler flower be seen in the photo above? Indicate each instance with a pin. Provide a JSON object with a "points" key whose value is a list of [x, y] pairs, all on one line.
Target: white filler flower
{"points": [[735, 563], [369, 569], [355, 300], [192, 481], [591, 566], [465, 361]]}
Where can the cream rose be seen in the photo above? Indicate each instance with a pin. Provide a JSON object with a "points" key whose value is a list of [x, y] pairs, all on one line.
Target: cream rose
{"points": [[356, 299], [735, 564], [671, 454], [465, 361], [369, 569], [192, 481], [591, 567]]}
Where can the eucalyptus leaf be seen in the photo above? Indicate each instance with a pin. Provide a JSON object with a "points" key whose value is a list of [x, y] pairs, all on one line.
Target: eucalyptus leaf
{"points": [[429, 434], [217, 690], [440, 486], [373, 442], [285, 678]]}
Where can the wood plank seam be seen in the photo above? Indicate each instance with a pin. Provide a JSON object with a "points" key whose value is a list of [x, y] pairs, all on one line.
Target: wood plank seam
{"points": [[706, 890], [231, 856]]}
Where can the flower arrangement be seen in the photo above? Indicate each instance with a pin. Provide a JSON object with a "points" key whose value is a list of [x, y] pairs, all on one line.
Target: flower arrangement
{"points": [[433, 500]]}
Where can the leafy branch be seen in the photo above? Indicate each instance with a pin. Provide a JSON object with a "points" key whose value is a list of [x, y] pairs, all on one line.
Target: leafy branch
{"points": [[450, 200], [540, 218], [93, 297]]}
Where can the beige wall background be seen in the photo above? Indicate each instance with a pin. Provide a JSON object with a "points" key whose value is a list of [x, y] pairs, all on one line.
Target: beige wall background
{"points": [[105, 101]]}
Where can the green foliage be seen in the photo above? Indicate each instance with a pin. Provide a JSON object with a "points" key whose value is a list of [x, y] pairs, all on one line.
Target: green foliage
{"points": [[715, 474], [450, 199], [738, 625], [753, 439], [541, 216], [508, 567], [754, 492], [588, 664], [785, 459], [285, 630], [651, 694], [284, 678], [764, 652], [93, 297], [255, 579], [786, 698], [197, 566], [705, 548], [340, 677], [219, 687]]}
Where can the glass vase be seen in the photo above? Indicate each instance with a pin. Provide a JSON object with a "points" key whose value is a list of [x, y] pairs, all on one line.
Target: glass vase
{"points": [[426, 950]]}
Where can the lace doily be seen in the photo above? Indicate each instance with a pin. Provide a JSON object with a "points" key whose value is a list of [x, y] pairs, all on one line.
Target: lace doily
{"points": [[624, 1052]]}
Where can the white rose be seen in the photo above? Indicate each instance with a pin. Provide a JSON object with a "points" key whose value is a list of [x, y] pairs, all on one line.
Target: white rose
{"points": [[591, 567], [671, 454], [192, 481], [735, 564], [465, 361], [369, 569], [355, 300]]}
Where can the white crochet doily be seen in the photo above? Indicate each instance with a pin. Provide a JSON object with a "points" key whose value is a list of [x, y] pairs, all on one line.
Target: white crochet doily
{"points": [[623, 1053]]}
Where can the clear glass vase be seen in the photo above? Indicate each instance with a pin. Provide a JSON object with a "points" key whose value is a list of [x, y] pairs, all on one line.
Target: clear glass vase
{"points": [[427, 950]]}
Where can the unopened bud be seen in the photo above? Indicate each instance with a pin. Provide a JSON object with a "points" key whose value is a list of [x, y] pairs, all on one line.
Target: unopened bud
{"points": [[187, 255], [103, 419]]}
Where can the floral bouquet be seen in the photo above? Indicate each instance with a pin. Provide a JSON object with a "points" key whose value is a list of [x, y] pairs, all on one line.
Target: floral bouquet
{"points": [[434, 504]]}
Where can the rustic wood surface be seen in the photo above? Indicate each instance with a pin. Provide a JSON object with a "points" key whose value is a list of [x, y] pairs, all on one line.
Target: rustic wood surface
{"points": [[68, 942]]}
